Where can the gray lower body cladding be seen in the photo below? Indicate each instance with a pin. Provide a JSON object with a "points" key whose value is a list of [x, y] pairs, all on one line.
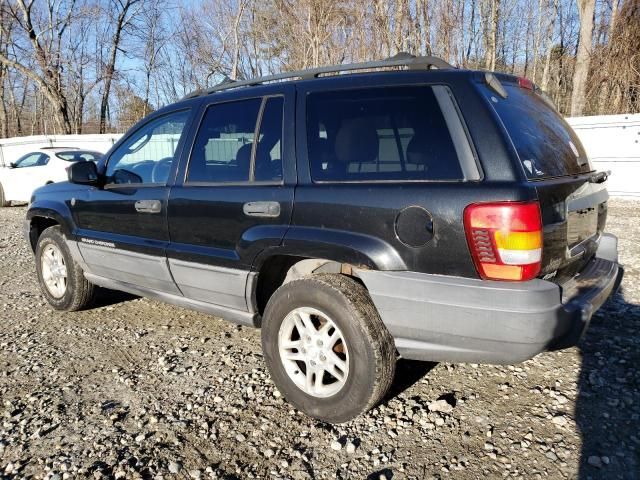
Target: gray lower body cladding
{"points": [[439, 318], [217, 291]]}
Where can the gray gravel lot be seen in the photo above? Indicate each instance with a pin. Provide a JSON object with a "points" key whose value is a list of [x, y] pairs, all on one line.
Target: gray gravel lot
{"points": [[138, 389]]}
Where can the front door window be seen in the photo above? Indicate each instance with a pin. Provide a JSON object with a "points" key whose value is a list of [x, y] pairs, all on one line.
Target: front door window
{"points": [[31, 160], [147, 155]]}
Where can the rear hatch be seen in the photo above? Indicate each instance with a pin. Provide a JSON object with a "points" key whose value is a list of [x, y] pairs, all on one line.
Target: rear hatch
{"points": [[573, 198]]}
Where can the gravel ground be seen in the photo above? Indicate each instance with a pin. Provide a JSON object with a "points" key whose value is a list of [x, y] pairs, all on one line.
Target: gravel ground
{"points": [[139, 389]]}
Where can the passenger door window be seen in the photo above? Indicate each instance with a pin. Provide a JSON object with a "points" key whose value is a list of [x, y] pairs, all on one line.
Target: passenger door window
{"points": [[224, 144], [31, 160], [227, 150], [147, 155]]}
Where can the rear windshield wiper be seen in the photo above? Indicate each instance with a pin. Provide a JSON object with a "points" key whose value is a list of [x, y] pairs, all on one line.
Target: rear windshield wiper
{"points": [[599, 177]]}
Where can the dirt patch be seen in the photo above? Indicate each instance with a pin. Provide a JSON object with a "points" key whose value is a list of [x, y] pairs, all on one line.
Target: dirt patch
{"points": [[138, 389]]}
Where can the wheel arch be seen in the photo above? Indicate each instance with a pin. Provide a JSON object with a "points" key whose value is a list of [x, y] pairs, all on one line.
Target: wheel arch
{"points": [[280, 269], [39, 219], [317, 250]]}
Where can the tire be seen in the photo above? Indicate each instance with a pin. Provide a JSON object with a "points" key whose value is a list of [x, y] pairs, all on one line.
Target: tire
{"points": [[71, 293], [366, 348], [3, 201]]}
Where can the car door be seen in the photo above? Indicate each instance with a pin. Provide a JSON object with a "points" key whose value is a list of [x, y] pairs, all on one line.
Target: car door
{"points": [[122, 227], [234, 197], [26, 176]]}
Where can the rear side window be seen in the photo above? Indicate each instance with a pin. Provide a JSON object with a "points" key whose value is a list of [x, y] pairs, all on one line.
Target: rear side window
{"points": [[544, 141], [395, 133]]}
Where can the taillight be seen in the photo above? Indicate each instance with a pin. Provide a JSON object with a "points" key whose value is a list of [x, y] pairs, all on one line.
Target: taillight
{"points": [[505, 239]]}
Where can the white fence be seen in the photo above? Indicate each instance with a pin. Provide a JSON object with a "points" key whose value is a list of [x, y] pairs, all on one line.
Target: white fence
{"points": [[612, 142]]}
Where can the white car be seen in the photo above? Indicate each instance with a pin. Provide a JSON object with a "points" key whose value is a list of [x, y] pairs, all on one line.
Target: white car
{"points": [[40, 167]]}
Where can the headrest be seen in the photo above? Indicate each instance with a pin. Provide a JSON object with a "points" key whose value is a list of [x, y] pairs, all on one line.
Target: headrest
{"points": [[418, 151], [357, 141], [243, 156]]}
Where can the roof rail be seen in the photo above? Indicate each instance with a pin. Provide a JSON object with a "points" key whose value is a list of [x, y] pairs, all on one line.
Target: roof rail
{"points": [[402, 59]]}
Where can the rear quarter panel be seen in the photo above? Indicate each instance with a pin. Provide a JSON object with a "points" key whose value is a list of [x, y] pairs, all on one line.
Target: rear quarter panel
{"points": [[370, 209]]}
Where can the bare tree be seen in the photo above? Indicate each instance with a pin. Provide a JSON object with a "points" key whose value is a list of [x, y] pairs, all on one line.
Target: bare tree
{"points": [[43, 45], [125, 13], [5, 39], [74, 65]]}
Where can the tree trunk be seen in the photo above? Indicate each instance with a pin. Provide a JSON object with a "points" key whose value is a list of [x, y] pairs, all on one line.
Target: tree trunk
{"points": [[586, 9], [549, 47], [472, 24], [4, 119], [426, 27], [111, 66], [236, 40], [614, 17], [492, 46]]}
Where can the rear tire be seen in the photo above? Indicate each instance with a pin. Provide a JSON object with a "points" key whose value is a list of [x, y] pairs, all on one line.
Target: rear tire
{"points": [[3, 201], [331, 380], [61, 279]]}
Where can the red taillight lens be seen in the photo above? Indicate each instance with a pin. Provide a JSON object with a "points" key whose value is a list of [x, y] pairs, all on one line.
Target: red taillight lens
{"points": [[525, 83], [505, 239]]}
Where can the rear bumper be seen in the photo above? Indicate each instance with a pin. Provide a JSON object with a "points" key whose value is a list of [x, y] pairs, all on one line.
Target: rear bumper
{"points": [[439, 318]]}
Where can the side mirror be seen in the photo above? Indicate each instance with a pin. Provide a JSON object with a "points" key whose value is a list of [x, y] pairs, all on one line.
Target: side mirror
{"points": [[13, 165], [83, 173]]}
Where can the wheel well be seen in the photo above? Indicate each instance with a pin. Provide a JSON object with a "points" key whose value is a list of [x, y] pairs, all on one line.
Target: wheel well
{"points": [[39, 225], [281, 269]]}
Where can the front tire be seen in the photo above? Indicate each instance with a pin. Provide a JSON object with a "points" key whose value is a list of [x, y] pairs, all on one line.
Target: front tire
{"points": [[61, 279], [326, 347]]}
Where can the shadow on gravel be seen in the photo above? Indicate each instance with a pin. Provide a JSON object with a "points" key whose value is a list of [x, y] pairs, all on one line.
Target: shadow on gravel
{"points": [[386, 472], [607, 407], [408, 373], [106, 297]]}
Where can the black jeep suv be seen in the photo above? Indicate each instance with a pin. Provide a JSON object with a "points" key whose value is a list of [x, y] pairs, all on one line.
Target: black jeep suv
{"points": [[434, 213]]}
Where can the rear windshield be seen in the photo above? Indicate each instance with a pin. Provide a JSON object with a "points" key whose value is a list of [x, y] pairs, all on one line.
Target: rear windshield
{"points": [[546, 144], [365, 134], [79, 156]]}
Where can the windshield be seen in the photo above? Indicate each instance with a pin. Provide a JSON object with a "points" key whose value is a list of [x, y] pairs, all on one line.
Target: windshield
{"points": [[546, 144]]}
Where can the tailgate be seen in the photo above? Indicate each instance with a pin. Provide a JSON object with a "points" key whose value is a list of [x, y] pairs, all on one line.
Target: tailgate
{"points": [[574, 214], [572, 203]]}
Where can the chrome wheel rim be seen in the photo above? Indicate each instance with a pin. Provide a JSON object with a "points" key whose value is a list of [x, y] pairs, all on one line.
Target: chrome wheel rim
{"points": [[313, 352], [54, 271]]}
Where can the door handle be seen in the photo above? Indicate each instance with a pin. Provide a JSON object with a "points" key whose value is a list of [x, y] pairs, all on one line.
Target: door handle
{"points": [[148, 206], [261, 209]]}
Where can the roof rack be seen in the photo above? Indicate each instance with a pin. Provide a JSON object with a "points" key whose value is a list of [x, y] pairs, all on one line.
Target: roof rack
{"points": [[402, 59]]}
